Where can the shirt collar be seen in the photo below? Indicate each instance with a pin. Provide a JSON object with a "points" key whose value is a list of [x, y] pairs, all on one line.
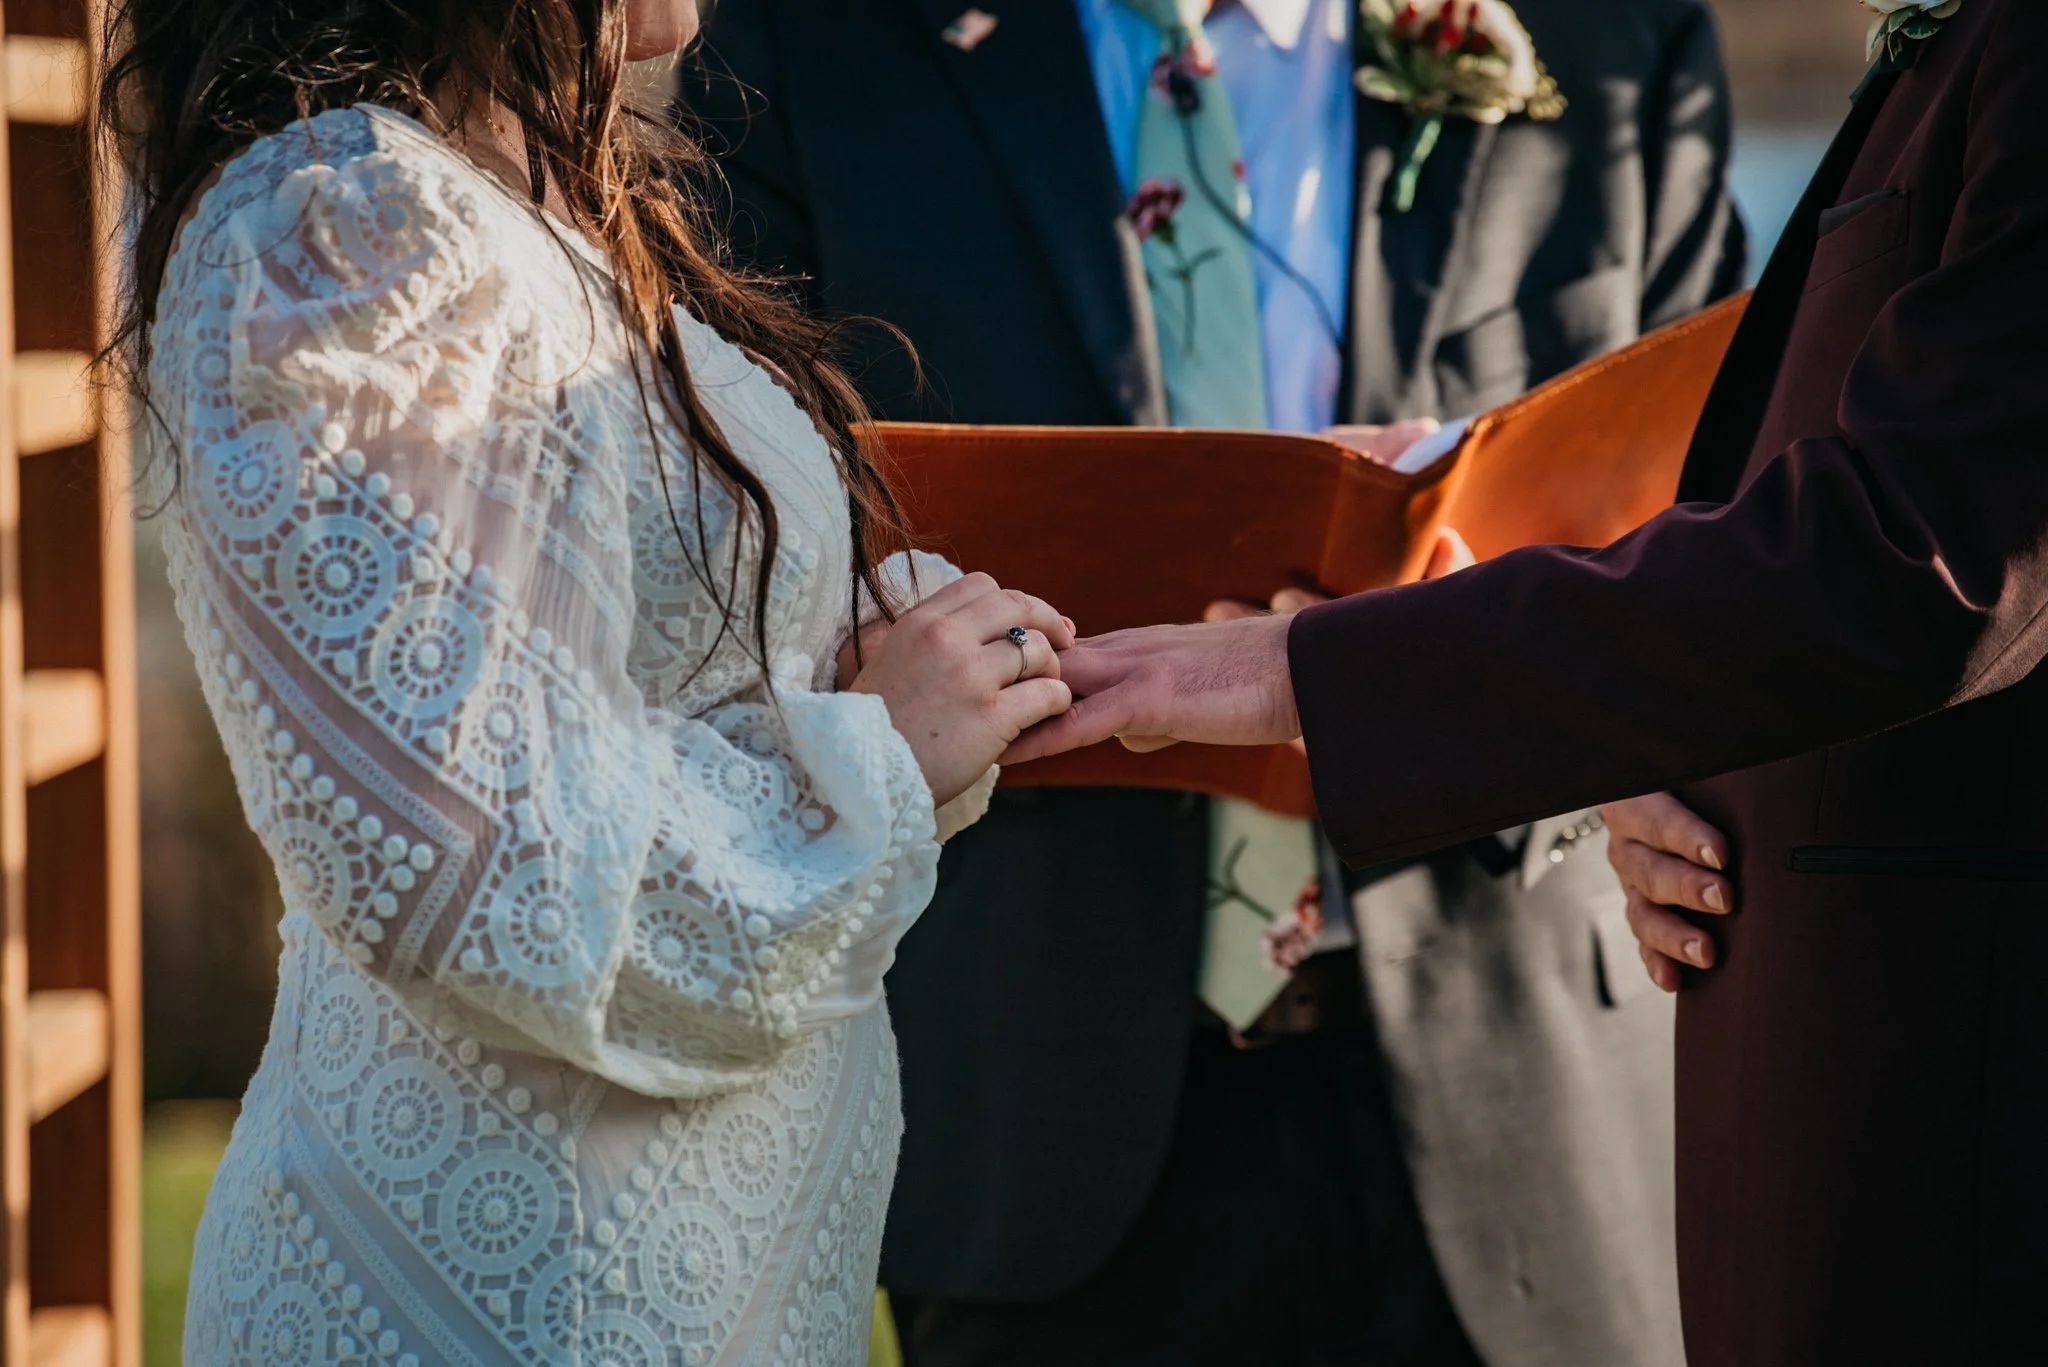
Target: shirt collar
{"points": [[1282, 21]]}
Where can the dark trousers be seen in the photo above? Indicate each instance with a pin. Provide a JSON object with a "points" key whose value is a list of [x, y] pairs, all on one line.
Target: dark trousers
{"points": [[1282, 1233]]}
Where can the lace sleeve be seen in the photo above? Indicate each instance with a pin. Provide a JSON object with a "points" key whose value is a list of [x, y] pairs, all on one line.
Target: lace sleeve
{"points": [[400, 558]]}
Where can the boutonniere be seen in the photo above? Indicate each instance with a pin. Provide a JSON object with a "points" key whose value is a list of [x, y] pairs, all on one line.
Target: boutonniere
{"points": [[1903, 22], [1450, 59]]}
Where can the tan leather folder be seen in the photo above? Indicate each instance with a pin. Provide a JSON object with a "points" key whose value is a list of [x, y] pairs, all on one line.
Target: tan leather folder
{"points": [[1123, 527]]}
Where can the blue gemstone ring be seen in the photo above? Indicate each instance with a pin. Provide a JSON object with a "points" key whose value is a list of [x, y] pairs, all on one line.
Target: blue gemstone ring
{"points": [[1021, 639]]}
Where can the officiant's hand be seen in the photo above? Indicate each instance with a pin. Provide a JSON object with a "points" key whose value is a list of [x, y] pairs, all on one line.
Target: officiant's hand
{"points": [[1448, 556], [1384, 444], [958, 687], [1667, 859]]}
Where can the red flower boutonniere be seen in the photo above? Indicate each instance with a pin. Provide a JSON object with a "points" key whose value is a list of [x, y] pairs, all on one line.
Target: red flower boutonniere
{"points": [[1440, 59]]}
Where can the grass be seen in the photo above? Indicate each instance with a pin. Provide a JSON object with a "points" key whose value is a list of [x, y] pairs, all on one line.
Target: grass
{"points": [[181, 1144]]}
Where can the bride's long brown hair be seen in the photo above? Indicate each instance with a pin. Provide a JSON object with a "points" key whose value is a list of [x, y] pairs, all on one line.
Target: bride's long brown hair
{"points": [[188, 83]]}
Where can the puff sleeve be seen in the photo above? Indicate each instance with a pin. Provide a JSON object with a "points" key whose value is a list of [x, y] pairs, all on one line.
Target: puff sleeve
{"points": [[399, 550]]}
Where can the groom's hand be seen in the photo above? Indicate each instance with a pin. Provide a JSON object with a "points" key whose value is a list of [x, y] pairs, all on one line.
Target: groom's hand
{"points": [[1225, 682], [1285, 603], [1220, 683]]}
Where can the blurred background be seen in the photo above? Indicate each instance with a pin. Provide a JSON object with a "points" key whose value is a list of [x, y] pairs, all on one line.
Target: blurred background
{"points": [[210, 899]]}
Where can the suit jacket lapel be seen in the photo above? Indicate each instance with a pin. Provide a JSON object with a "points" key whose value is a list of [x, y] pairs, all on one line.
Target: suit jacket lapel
{"points": [[1402, 264], [1724, 441], [1030, 89]]}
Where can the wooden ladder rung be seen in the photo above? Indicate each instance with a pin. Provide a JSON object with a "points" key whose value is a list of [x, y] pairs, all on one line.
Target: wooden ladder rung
{"points": [[67, 1046], [55, 404], [70, 1336], [63, 721], [46, 80]]}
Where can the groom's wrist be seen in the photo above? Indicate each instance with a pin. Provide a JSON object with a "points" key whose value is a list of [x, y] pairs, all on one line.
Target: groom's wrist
{"points": [[1329, 661]]}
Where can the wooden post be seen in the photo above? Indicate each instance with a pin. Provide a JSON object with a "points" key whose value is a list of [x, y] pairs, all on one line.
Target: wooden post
{"points": [[70, 1044]]}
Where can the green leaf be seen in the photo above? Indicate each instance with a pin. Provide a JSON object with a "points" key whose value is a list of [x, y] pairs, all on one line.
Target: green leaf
{"points": [[1376, 84]]}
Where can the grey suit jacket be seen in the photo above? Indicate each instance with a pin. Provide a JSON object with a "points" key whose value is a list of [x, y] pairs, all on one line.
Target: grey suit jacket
{"points": [[1530, 1061], [1043, 1002]]}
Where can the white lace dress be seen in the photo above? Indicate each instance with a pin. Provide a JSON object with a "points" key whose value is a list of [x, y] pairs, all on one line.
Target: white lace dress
{"points": [[579, 1053]]}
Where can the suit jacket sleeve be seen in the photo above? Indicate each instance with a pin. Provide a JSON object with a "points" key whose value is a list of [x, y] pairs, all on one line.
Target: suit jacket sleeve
{"points": [[1697, 249], [1857, 582], [732, 100]]}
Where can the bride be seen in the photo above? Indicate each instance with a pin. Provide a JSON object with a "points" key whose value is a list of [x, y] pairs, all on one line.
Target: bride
{"points": [[517, 541]]}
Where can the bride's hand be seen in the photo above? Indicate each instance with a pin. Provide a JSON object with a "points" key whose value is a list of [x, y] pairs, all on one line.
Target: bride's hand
{"points": [[956, 684]]}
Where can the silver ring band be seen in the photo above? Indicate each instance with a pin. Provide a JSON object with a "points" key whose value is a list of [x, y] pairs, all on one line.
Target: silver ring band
{"points": [[1021, 639]]}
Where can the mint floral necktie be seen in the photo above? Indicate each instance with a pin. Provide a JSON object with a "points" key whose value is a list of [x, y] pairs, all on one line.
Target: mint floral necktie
{"points": [[1190, 211]]}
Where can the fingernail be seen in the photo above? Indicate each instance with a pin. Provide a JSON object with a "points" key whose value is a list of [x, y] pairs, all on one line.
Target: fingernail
{"points": [[1713, 898], [1696, 950], [1709, 858]]}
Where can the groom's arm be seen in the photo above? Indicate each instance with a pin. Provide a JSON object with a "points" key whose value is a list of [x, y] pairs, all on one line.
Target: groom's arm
{"points": [[1856, 583]]}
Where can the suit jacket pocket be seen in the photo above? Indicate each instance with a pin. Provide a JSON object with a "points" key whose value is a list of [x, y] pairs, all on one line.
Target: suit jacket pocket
{"points": [[1996, 866], [1857, 233]]}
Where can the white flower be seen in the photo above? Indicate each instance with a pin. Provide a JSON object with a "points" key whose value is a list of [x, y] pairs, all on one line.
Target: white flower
{"points": [[1498, 22], [1892, 15]]}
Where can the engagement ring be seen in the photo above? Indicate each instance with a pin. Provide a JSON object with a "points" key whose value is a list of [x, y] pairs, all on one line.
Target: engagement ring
{"points": [[1021, 639]]}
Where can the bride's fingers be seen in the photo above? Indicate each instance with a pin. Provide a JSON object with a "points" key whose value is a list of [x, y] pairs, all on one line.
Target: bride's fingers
{"points": [[1028, 704], [1088, 721], [965, 589], [990, 615], [1010, 662], [1145, 745]]}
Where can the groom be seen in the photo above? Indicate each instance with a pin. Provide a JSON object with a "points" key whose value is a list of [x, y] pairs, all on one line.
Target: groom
{"points": [[1844, 621], [1473, 1141]]}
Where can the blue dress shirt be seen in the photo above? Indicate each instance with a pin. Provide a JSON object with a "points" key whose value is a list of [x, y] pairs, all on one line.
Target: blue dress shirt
{"points": [[1288, 67]]}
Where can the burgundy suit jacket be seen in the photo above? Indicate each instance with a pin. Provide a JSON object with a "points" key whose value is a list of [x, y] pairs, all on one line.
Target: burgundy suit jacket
{"points": [[1830, 647]]}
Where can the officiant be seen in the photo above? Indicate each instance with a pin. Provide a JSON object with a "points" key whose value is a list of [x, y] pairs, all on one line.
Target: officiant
{"points": [[1419, 1116]]}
